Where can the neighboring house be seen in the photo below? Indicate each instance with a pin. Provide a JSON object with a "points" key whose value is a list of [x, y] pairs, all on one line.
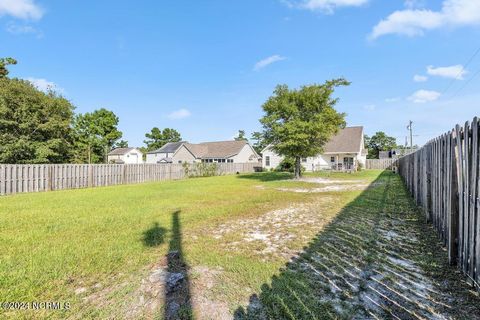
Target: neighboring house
{"points": [[343, 151], [125, 155], [219, 151], [395, 153]]}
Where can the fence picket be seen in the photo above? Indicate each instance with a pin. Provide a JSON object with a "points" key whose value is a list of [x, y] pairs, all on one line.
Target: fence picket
{"points": [[444, 178]]}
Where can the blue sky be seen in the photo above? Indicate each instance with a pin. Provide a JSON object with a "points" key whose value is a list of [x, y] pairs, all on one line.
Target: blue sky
{"points": [[205, 67]]}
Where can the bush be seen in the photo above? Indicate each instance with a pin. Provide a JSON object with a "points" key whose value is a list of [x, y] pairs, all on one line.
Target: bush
{"points": [[288, 165], [202, 169], [359, 166]]}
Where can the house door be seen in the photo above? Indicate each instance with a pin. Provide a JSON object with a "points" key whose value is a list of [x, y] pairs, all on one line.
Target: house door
{"points": [[348, 162]]}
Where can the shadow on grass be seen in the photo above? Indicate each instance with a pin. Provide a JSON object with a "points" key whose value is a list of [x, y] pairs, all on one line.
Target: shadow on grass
{"points": [[154, 236], [177, 287], [376, 260], [267, 176]]}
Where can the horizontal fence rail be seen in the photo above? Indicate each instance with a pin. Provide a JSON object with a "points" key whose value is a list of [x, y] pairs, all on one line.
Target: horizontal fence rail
{"points": [[382, 164], [443, 177], [17, 178]]}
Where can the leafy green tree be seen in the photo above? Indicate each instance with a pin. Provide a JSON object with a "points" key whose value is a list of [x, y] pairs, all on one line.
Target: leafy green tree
{"points": [[241, 136], [258, 142], [121, 144], [34, 126], [4, 62], [379, 142], [298, 123], [95, 135], [157, 138]]}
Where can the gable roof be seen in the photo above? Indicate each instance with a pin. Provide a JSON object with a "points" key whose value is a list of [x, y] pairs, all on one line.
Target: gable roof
{"points": [[217, 149], [347, 140], [169, 147], [120, 151]]}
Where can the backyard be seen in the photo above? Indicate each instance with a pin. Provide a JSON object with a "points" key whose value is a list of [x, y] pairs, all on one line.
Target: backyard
{"points": [[251, 246]]}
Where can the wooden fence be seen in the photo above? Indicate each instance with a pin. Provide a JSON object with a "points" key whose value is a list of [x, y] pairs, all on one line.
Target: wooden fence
{"points": [[380, 163], [443, 178], [15, 178]]}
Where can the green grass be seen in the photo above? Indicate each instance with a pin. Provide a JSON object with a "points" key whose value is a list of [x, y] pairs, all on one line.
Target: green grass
{"points": [[54, 243], [107, 240]]}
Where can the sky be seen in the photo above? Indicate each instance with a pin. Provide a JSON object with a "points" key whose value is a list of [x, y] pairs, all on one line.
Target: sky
{"points": [[206, 67]]}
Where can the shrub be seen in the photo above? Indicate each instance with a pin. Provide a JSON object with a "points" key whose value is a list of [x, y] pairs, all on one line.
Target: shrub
{"points": [[288, 165]]}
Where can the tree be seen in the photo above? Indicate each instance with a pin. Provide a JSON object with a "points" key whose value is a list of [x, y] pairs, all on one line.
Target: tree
{"points": [[34, 126], [4, 62], [379, 142], [157, 138], [95, 134], [121, 144], [258, 142], [241, 136], [298, 123]]}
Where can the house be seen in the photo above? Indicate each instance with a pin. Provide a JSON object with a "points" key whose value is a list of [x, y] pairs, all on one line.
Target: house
{"points": [[125, 155], [395, 153], [343, 151], [218, 151]]}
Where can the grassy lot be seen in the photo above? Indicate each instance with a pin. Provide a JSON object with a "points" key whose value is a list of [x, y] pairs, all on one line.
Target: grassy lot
{"points": [[104, 250]]}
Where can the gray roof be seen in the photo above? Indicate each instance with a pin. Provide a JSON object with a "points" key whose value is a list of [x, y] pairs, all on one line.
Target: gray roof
{"points": [[347, 140], [120, 151], [217, 149], [169, 147]]}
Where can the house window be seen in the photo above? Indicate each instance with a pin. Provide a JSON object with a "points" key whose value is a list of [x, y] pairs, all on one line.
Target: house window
{"points": [[230, 160], [304, 159], [267, 161], [332, 159]]}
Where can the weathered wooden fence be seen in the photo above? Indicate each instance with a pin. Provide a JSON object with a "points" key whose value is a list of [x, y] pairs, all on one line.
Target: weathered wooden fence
{"points": [[380, 163], [15, 178], [443, 178]]}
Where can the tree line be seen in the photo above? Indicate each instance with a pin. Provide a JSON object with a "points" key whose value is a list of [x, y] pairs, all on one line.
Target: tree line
{"points": [[42, 127]]}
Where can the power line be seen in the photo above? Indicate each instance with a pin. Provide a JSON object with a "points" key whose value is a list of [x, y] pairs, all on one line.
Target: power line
{"points": [[461, 70], [465, 84]]}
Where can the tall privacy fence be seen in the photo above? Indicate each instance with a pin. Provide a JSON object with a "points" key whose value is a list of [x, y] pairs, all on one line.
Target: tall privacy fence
{"points": [[15, 178], [382, 164], [443, 177]]}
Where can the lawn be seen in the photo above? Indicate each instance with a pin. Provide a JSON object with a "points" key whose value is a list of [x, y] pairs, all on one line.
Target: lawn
{"points": [[105, 250]]}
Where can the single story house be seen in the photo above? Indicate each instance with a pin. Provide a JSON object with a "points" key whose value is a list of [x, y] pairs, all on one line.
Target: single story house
{"points": [[125, 155], [342, 152], [218, 151]]}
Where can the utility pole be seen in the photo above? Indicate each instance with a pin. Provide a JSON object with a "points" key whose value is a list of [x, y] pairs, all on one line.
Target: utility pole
{"points": [[409, 127]]}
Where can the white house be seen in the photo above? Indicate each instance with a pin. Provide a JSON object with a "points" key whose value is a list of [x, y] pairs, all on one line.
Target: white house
{"points": [[125, 155], [343, 151], [218, 151]]}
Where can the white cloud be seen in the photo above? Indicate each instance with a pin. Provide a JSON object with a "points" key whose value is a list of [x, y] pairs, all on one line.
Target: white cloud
{"points": [[419, 78], [267, 61], [179, 114], [422, 96], [391, 100], [414, 22], [22, 9], [45, 85], [23, 29], [453, 72], [370, 107]]}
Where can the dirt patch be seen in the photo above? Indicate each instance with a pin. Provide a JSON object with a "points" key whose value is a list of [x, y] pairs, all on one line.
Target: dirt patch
{"points": [[326, 180], [272, 232], [331, 188]]}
